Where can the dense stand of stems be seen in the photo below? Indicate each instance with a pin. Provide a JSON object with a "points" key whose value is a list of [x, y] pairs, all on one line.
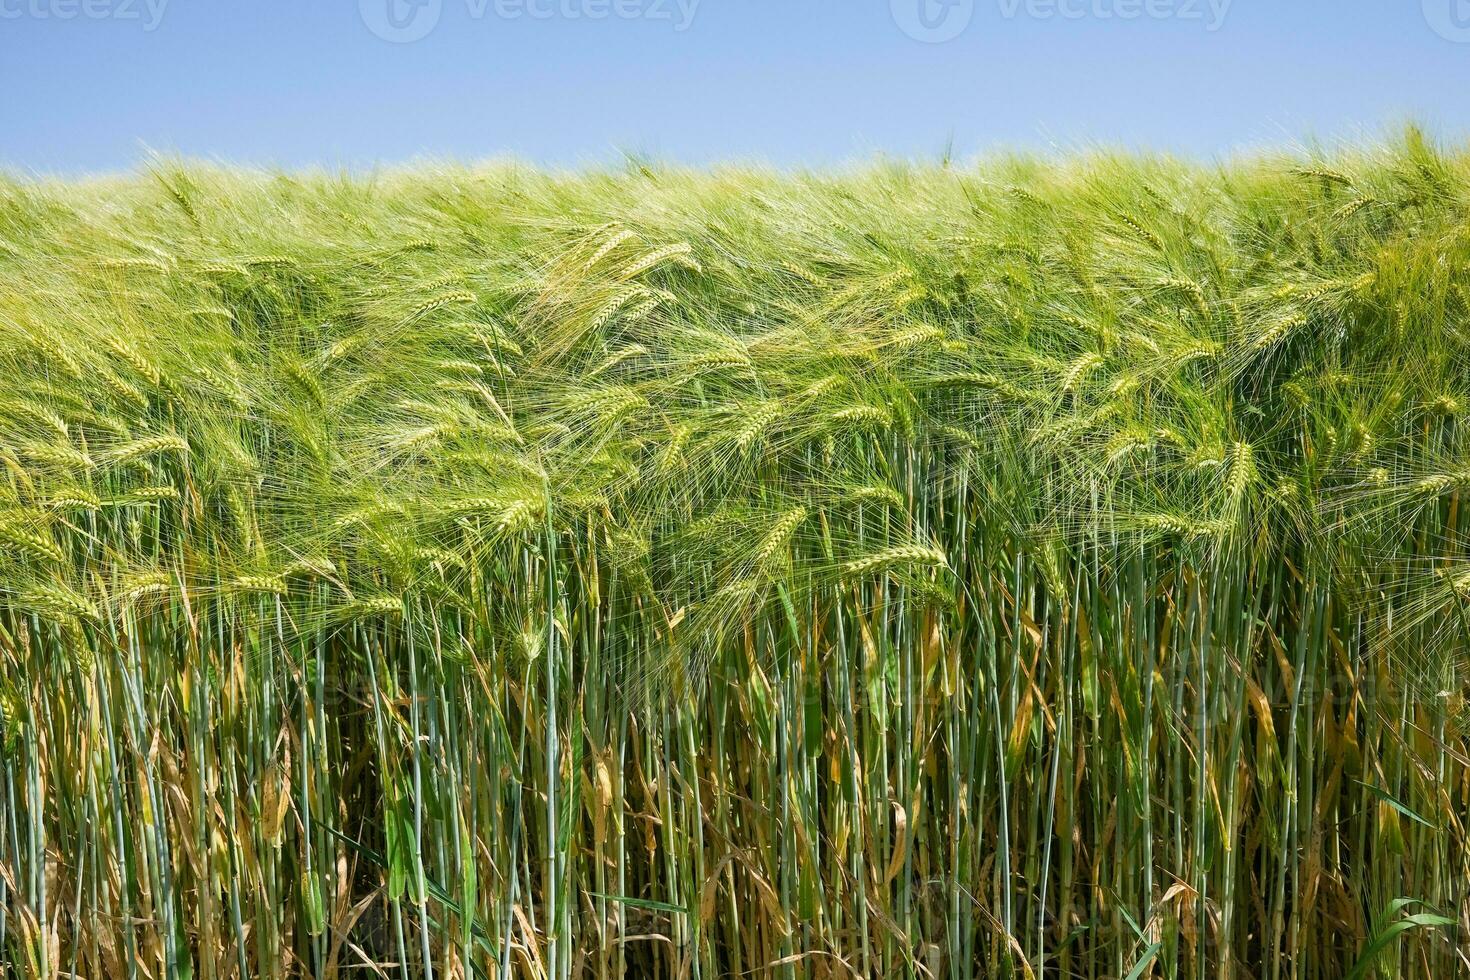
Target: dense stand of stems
{"points": [[1039, 569]]}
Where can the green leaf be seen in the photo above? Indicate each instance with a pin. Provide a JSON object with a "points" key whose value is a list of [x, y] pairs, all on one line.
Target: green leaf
{"points": [[641, 903], [1383, 795], [398, 833], [1144, 961], [1378, 943]]}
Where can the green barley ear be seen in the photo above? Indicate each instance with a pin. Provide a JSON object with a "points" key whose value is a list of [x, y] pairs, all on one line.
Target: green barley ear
{"points": [[275, 261], [1127, 444], [74, 499], [1277, 331], [671, 456], [132, 263], [1242, 472], [144, 495], [255, 585], [1079, 369], [619, 299], [611, 244], [1140, 231], [876, 495], [1022, 194], [140, 365], [123, 391], [370, 608], [776, 539], [678, 253], [58, 602], [428, 306], [1355, 206], [1325, 175], [862, 418], [32, 543], [757, 420], [628, 353], [1444, 405], [1439, 484], [903, 556], [1190, 289], [144, 448]]}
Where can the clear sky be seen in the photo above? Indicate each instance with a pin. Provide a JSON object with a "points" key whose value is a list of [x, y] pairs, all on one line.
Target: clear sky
{"points": [[94, 85]]}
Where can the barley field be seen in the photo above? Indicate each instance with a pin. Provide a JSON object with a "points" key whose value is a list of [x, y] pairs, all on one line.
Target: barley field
{"points": [[1042, 567]]}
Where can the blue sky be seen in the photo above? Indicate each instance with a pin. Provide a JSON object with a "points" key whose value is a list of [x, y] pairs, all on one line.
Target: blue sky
{"points": [[93, 85]]}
